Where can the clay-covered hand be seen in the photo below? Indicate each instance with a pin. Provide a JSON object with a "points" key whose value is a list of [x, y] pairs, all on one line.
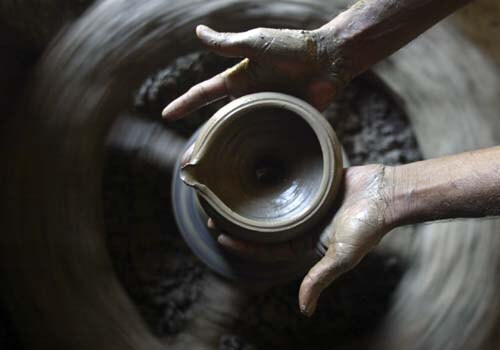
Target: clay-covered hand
{"points": [[292, 61], [363, 218], [315, 64]]}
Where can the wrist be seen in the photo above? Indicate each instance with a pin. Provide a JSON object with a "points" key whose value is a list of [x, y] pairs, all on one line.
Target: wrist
{"points": [[413, 200], [344, 40], [332, 51], [459, 186], [398, 191]]}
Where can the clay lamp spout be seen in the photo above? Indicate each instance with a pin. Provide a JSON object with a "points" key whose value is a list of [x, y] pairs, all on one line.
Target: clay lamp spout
{"points": [[192, 175], [197, 173]]}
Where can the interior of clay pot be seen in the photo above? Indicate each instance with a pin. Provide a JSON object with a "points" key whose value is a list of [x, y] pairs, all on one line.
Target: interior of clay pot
{"points": [[266, 165]]}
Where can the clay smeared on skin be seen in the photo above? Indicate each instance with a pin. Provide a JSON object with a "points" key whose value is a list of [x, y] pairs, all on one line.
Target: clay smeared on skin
{"points": [[358, 226], [314, 65], [291, 48], [371, 30], [276, 60], [368, 217]]}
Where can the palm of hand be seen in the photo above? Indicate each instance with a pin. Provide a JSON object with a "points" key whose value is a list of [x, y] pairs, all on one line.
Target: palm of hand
{"points": [[359, 224], [360, 221]]}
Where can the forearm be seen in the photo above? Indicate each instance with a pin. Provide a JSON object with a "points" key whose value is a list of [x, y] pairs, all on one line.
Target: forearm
{"points": [[461, 186], [371, 30]]}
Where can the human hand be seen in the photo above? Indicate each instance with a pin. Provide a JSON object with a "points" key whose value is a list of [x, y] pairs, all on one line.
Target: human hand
{"points": [[293, 61], [365, 215], [311, 64]]}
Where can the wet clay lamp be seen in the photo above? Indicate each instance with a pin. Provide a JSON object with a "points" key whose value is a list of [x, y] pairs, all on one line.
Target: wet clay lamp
{"points": [[266, 167]]}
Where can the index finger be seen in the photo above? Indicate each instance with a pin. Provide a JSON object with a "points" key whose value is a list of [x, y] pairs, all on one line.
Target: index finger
{"points": [[198, 96]]}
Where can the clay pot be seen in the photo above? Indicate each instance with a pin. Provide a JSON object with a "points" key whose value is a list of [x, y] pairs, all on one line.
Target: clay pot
{"points": [[266, 166]]}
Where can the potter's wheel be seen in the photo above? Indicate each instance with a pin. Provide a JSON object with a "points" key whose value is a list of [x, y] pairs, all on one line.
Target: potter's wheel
{"points": [[53, 240]]}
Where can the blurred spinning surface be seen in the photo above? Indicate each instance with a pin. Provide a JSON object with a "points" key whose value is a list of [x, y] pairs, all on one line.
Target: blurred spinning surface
{"points": [[66, 185]]}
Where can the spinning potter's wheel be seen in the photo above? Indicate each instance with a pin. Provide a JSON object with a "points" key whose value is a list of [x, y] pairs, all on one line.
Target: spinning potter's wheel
{"points": [[54, 256]]}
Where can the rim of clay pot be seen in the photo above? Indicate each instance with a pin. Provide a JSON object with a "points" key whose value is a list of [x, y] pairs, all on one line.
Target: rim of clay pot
{"points": [[329, 144]]}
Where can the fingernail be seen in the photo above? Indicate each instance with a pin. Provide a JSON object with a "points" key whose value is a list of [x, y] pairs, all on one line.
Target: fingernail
{"points": [[170, 113], [210, 224], [206, 33], [165, 112], [307, 309], [221, 239], [303, 310], [200, 29]]}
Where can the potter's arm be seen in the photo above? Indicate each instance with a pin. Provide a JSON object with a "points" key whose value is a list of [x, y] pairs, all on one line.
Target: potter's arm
{"points": [[315, 64], [461, 186], [371, 30], [378, 198]]}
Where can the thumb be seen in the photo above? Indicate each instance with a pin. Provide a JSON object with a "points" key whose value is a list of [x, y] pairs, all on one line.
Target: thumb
{"points": [[225, 44], [335, 262]]}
